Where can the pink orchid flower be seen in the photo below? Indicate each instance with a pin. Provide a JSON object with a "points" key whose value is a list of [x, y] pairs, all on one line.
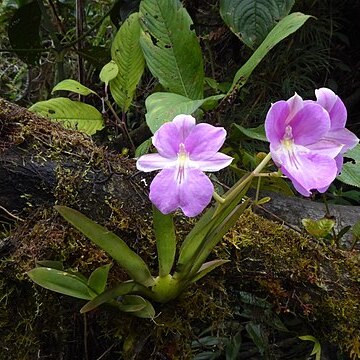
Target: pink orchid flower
{"points": [[185, 151], [307, 139]]}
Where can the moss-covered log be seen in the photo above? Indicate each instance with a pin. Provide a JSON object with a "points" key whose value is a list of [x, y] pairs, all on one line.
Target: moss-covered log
{"points": [[42, 164]]}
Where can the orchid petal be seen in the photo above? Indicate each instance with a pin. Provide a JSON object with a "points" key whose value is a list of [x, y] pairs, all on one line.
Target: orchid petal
{"points": [[164, 192], [185, 124], [343, 136], [275, 121], [215, 163], [192, 194], [295, 103], [167, 140], [195, 192], [310, 124], [309, 169], [326, 147], [151, 162], [204, 141], [333, 105]]}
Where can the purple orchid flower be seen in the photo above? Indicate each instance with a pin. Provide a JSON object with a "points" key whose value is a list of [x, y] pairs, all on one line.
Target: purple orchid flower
{"points": [[307, 139], [185, 151]]}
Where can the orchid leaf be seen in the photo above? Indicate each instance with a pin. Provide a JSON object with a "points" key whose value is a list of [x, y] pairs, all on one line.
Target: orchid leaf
{"points": [[73, 86], [208, 267], [212, 218], [110, 243], [71, 114], [122, 289], [165, 241], [163, 107], [251, 20], [61, 282], [283, 29], [58, 265], [317, 346], [108, 72], [216, 235], [98, 278], [143, 148], [127, 55], [137, 306], [171, 48]]}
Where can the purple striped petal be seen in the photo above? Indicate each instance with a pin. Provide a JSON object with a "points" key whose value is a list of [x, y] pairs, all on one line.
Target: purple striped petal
{"points": [[310, 124], [215, 163], [275, 122], [204, 141], [151, 162], [308, 170], [192, 194], [167, 140], [184, 123], [333, 105], [344, 137]]}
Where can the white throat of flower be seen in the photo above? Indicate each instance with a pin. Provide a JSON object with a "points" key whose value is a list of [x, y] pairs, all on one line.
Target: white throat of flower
{"points": [[182, 162], [288, 147]]}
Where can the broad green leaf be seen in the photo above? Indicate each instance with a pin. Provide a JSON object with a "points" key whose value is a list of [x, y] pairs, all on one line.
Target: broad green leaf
{"points": [[108, 72], [165, 241], [110, 243], [350, 174], [207, 267], [119, 290], [98, 278], [162, 107], [72, 114], [73, 86], [171, 48], [283, 29], [317, 346], [257, 133], [354, 153], [143, 148], [61, 282], [355, 230], [127, 54], [251, 20], [318, 228]]}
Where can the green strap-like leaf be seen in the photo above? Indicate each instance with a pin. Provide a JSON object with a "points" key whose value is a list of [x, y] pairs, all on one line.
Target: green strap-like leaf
{"points": [[162, 107], [128, 56], [98, 278], [207, 267], [251, 20], [61, 282], [171, 48], [73, 86], [283, 29], [119, 290], [72, 114], [165, 241], [111, 243]]}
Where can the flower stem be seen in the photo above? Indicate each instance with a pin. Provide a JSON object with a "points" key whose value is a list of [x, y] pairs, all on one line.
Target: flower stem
{"points": [[218, 198]]}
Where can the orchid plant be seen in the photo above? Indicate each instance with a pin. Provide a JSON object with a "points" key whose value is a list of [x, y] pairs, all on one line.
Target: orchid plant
{"points": [[307, 142]]}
